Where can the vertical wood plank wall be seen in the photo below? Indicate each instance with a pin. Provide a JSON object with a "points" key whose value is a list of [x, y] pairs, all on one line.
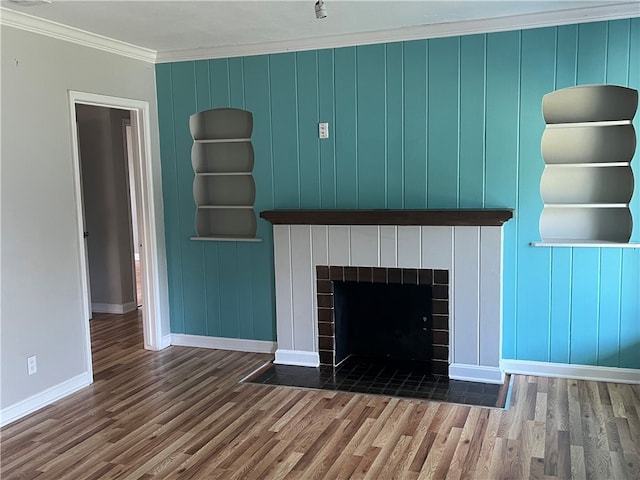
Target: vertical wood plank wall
{"points": [[443, 123]]}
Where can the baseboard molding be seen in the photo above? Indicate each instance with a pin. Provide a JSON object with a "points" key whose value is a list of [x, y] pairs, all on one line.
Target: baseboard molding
{"points": [[476, 373], [577, 372], [117, 308], [297, 357], [165, 341], [42, 399], [223, 343]]}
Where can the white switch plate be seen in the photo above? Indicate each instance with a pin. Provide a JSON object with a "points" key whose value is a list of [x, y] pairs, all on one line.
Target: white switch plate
{"points": [[323, 130], [32, 366]]}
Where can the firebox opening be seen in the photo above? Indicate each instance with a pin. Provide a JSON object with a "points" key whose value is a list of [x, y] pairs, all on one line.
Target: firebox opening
{"points": [[384, 321]]}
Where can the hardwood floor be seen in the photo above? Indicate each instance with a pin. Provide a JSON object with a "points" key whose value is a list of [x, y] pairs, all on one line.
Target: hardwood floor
{"points": [[181, 414]]}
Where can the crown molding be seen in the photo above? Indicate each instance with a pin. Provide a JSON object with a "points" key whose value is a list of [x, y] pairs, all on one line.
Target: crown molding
{"points": [[30, 23], [23, 21], [517, 22]]}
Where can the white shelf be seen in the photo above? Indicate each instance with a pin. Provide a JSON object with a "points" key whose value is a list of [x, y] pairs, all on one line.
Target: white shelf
{"points": [[223, 140], [589, 103], [221, 124], [218, 221], [220, 190], [225, 207], [606, 123], [222, 157], [583, 243], [587, 182], [588, 144], [582, 165], [587, 205], [584, 224], [224, 190], [222, 174], [230, 238]]}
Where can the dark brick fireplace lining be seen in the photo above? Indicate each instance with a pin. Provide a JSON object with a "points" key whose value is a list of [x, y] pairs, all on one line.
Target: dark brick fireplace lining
{"points": [[438, 279]]}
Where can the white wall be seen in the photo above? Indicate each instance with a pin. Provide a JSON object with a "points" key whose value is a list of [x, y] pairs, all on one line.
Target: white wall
{"points": [[41, 302]]}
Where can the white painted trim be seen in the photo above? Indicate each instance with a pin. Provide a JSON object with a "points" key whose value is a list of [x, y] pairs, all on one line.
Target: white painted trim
{"points": [[30, 23], [57, 30], [83, 257], [117, 308], [44, 398], [297, 357], [165, 341], [579, 244], [476, 373], [128, 151], [150, 230], [576, 372], [515, 22], [223, 343]]}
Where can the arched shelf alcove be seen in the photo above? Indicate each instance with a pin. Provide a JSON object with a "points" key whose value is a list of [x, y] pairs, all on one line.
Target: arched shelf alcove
{"points": [[587, 183], [224, 190]]}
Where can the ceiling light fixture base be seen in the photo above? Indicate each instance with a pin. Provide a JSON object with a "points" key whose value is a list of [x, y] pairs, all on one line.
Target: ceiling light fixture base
{"points": [[321, 9]]}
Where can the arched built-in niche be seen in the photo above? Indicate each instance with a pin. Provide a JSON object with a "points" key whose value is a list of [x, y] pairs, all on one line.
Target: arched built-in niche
{"points": [[223, 187], [588, 182]]}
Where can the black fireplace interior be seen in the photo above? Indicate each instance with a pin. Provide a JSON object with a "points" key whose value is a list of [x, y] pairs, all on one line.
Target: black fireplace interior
{"points": [[383, 321]]}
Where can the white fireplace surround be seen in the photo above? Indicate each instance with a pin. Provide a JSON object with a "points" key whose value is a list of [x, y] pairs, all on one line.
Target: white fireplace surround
{"points": [[472, 254]]}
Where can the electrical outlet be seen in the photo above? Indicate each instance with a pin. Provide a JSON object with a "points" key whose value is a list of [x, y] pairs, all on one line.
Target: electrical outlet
{"points": [[323, 130], [32, 366]]}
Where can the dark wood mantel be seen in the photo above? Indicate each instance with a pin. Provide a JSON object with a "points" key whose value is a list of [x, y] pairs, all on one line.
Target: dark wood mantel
{"points": [[464, 217]]}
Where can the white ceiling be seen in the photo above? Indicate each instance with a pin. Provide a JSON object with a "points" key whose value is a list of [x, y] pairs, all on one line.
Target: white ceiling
{"points": [[191, 29]]}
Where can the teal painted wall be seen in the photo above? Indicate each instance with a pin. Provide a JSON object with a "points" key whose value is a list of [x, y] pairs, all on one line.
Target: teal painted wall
{"points": [[443, 123]]}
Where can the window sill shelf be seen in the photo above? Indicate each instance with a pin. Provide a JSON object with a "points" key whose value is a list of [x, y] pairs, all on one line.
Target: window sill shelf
{"points": [[583, 243], [227, 239]]}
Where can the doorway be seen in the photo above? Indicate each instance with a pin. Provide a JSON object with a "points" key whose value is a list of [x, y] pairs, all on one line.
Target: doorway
{"points": [[108, 197], [138, 112]]}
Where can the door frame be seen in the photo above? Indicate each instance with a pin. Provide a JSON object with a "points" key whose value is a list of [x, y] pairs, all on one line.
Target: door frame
{"points": [[84, 223], [148, 233], [130, 155]]}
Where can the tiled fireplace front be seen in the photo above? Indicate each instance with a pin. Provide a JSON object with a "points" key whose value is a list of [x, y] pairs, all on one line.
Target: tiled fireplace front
{"points": [[437, 279], [391, 246]]}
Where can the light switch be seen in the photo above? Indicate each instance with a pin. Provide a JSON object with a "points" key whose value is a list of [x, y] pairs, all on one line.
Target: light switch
{"points": [[323, 130]]}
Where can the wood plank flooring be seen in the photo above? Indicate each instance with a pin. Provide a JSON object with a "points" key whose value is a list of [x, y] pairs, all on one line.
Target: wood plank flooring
{"points": [[181, 414]]}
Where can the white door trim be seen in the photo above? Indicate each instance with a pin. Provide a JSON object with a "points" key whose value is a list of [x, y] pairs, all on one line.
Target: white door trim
{"points": [[84, 223], [148, 234], [132, 193]]}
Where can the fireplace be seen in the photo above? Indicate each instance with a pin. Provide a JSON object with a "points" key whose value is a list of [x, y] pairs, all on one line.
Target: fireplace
{"points": [[401, 314], [394, 244]]}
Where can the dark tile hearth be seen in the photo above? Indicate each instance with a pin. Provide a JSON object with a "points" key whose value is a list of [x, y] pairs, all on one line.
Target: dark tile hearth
{"points": [[364, 375]]}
